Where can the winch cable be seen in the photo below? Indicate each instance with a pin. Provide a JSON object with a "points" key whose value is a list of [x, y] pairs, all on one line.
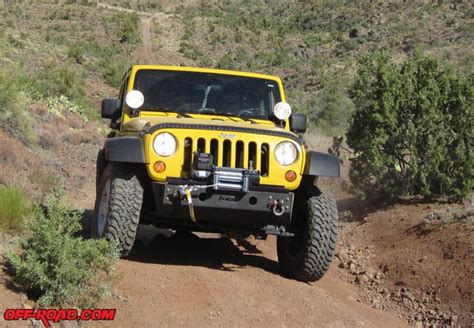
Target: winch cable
{"points": [[186, 191]]}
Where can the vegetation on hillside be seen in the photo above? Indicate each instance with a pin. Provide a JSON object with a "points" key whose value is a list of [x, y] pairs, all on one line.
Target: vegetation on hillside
{"points": [[56, 62], [59, 267], [412, 128], [69, 50], [314, 45]]}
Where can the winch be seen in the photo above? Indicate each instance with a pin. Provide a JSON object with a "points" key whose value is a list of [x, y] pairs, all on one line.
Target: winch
{"points": [[223, 178]]}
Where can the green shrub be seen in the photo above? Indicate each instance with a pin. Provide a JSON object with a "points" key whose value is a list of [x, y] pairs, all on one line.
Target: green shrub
{"points": [[14, 117], [56, 80], [128, 27], [412, 128], [114, 70], [13, 208], [63, 269], [331, 109], [76, 52]]}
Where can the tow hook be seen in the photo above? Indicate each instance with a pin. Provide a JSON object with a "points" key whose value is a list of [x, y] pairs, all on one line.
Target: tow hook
{"points": [[277, 207]]}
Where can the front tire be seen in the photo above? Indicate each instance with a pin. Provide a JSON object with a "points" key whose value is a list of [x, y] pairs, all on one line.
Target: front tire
{"points": [[118, 206], [307, 255]]}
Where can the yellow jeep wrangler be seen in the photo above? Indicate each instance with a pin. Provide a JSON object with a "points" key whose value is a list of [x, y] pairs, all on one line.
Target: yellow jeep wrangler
{"points": [[197, 149]]}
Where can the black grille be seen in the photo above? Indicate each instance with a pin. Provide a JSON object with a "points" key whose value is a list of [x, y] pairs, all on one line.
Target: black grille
{"points": [[230, 153]]}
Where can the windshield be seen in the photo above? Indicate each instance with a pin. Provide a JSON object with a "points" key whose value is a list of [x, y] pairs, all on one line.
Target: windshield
{"points": [[204, 93]]}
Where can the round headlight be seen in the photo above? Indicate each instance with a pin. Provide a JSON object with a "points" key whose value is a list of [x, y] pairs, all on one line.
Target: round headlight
{"points": [[286, 153], [282, 110], [164, 144]]}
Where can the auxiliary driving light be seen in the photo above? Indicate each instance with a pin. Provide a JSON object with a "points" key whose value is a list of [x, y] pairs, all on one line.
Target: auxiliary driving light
{"points": [[282, 110], [134, 99]]}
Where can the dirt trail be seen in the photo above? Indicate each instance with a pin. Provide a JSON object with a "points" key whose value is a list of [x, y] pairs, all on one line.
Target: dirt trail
{"points": [[164, 49], [146, 40], [212, 281]]}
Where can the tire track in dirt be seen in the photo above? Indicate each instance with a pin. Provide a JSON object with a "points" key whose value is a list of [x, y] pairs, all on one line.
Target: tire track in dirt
{"points": [[210, 281], [146, 40], [168, 41]]}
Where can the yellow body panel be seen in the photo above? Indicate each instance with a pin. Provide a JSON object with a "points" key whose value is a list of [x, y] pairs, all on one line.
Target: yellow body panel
{"points": [[174, 163]]}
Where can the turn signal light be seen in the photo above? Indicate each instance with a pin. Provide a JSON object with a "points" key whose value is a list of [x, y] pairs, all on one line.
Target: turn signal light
{"points": [[290, 176], [159, 167]]}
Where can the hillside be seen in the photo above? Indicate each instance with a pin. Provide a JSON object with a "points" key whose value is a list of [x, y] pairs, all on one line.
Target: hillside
{"points": [[313, 45], [409, 263]]}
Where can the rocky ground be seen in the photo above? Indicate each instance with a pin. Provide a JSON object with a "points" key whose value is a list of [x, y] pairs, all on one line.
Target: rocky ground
{"points": [[415, 259]]}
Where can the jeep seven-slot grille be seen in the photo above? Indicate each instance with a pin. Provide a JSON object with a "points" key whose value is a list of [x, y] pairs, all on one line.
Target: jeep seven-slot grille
{"points": [[229, 153]]}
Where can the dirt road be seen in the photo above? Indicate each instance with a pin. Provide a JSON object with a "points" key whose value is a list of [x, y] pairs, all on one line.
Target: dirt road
{"points": [[157, 49], [207, 280], [213, 281], [146, 39]]}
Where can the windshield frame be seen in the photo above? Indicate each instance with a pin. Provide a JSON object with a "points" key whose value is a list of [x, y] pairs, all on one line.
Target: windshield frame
{"points": [[279, 91]]}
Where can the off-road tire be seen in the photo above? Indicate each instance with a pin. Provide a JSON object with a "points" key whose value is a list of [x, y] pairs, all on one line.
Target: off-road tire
{"points": [[307, 255], [124, 206]]}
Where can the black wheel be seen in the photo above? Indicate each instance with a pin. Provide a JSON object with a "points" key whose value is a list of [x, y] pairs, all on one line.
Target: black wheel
{"points": [[118, 206], [307, 255]]}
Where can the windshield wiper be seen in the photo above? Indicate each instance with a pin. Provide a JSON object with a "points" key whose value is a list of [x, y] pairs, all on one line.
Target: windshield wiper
{"points": [[183, 114], [232, 116], [248, 119]]}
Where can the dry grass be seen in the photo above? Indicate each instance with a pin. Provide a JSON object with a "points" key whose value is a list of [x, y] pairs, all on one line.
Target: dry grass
{"points": [[77, 137], [20, 168], [320, 142]]}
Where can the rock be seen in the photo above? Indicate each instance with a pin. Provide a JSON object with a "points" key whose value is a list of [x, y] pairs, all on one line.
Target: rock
{"points": [[352, 268], [342, 254], [408, 296], [362, 279], [343, 265], [354, 33], [397, 293]]}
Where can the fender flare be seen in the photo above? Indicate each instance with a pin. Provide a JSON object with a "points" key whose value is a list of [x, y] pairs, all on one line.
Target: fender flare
{"points": [[322, 165], [125, 150]]}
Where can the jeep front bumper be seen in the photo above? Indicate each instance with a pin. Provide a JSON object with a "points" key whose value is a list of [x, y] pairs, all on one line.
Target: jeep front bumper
{"points": [[254, 208]]}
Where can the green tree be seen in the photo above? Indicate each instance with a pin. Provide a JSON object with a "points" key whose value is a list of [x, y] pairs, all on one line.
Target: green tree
{"points": [[412, 128], [330, 110]]}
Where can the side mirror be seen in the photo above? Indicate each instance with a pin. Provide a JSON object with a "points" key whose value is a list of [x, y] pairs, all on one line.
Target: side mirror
{"points": [[298, 123], [110, 109]]}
